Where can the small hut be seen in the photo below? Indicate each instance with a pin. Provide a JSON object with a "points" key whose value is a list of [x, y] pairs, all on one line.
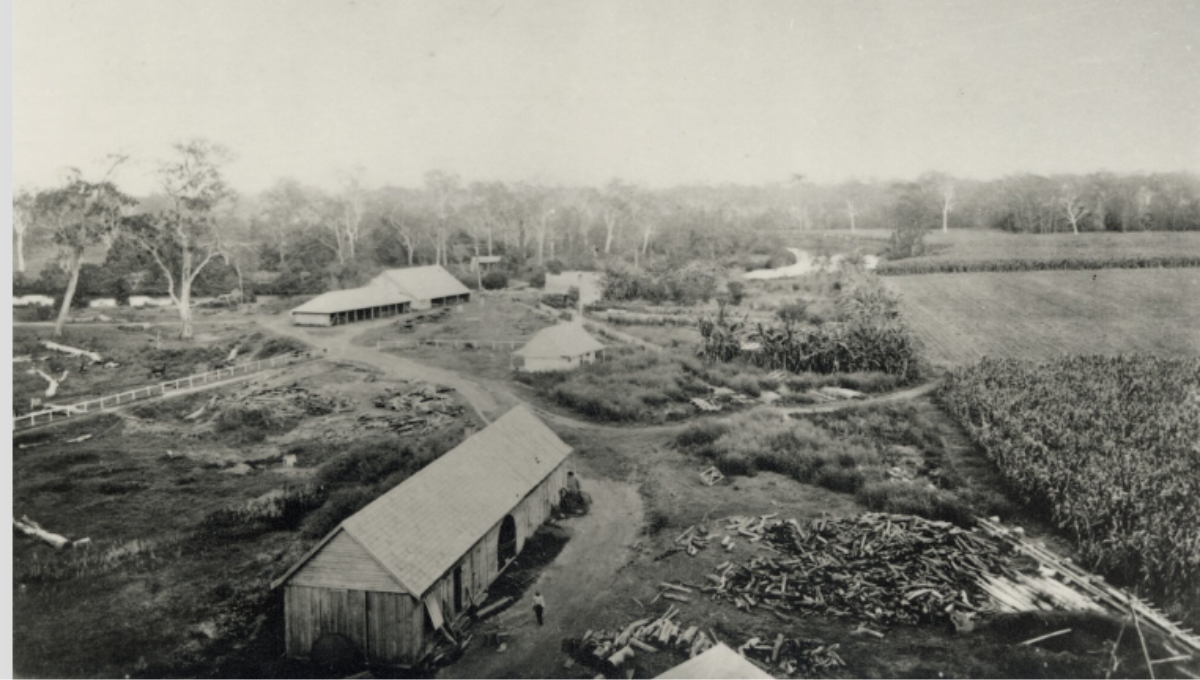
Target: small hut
{"points": [[416, 559], [562, 347]]}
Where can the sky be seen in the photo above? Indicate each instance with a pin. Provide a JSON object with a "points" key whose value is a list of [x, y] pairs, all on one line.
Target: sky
{"points": [[572, 92]]}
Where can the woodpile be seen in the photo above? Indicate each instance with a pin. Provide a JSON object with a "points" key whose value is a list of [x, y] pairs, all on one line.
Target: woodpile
{"points": [[884, 568], [610, 651], [292, 400], [693, 540], [422, 409]]}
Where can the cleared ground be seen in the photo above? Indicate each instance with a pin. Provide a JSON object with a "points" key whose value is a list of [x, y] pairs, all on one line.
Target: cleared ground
{"points": [[964, 317]]}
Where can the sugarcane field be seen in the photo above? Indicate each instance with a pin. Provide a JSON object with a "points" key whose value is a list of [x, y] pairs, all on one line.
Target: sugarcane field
{"points": [[605, 339]]}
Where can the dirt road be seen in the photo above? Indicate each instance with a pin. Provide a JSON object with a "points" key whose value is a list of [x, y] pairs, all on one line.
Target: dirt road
{"points": [[574, 587]]}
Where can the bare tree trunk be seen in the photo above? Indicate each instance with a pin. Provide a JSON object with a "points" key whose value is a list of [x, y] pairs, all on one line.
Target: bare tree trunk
{"points": [[21, 251], [185, 297], [945, 218], [850, 212], [610, 226], [73, 262], [241, 285]]}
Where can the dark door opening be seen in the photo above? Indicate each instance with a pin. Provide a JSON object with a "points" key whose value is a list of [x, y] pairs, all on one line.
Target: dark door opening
{"points": [[458, 589], [508, 540]]}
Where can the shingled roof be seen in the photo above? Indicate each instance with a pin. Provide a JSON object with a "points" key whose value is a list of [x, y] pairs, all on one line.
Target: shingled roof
{"points": [[423, 527], [423, 283], [562, 340]]}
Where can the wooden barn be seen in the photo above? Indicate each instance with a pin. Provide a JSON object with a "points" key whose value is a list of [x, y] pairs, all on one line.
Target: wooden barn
{"points": [[430, 286], [562, 347], [420, 556]]}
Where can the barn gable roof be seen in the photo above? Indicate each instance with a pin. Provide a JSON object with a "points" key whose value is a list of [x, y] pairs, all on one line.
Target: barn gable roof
{"points": [[423, 526], [719, 661], [562, 340], [423, 283], [354, 298]]}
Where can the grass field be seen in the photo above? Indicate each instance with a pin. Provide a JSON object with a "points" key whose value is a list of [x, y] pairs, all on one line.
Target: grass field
{"points": [[977, 250], [964, 317]]}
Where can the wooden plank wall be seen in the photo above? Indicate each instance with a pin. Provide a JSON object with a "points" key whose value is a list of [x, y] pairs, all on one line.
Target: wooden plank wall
{"points": [[390, 627], [383, 625]]}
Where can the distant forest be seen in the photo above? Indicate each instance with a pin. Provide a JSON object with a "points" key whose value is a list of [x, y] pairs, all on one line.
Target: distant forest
{"points": [[293, 238]]}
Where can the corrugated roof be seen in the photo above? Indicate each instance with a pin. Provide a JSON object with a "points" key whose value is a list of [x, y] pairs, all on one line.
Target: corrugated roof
{"points": [[423, 283], [718, 662], [422, 527], [354, 298], [562, 340]]}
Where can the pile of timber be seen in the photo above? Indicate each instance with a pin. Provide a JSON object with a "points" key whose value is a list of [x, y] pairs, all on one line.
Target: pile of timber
{"points": [[885, 568], [1061, 579], [292, 400], [792, 656], [424, 398], [610, 651], [694, 539], [607, 651]]}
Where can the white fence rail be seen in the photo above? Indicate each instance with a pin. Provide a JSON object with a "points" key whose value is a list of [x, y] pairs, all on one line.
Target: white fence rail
{"points": [[110, 401]]}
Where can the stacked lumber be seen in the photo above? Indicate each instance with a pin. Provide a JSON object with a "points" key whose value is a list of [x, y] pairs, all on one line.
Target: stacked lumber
{"points": [[424, 398], [885, 568]]}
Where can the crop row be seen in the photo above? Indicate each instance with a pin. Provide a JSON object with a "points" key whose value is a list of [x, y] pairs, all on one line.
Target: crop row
{"points": [[1108, 446], [1006, 264]]}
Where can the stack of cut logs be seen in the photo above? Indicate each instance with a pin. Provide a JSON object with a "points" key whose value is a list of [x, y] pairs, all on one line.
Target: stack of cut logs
{"points": [[609, 651], [425, 408], [648, 635], [886, 568]]}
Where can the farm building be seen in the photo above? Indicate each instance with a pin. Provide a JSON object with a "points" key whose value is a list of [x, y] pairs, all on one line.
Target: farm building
{"points": [[420, 556], [485, 262], [345, 306], [719, 661], [32, 301], [589, 284], [563, 347], [430, 286]]}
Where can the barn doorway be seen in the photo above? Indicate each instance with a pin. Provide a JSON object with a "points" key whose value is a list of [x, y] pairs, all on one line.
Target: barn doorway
{"points": [[508, 540], [458, 589]]}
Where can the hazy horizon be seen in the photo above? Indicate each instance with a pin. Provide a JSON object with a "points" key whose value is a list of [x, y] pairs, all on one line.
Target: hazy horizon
{"points": [[571, 93]]}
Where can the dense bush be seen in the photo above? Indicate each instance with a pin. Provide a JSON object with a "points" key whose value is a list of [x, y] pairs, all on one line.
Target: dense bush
{"points": [[686, 284], [904, 498], [495, 281], [955, 266]]}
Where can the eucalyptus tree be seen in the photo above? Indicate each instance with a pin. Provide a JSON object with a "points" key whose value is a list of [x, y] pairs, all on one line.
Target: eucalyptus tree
{"points": [[78, 214]]}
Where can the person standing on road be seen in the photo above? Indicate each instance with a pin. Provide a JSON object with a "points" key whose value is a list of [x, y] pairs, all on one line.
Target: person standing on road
{"points": [[572, 482], [539, 606]]}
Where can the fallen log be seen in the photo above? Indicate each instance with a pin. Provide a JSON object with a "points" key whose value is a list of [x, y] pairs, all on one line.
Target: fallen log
{"points": [[73, 351], [677, 597], [31, 528]]}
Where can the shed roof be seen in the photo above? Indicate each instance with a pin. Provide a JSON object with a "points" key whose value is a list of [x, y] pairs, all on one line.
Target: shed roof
{"points": [[423, 526], [354, 298], [423, 283], [562, 340], [718, 662]]}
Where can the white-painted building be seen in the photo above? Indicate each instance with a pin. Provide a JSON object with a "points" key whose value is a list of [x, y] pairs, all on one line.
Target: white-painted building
{"points": [[558, 348], [33, 301]]}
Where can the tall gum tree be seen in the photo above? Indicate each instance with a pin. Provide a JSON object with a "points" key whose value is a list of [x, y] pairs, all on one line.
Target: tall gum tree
{"points": [[184, 236], [22, 220], [78, 214]]}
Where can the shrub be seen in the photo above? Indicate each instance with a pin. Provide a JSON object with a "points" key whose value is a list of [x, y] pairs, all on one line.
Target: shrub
{"points": [[793, 312], [737, 292], [367, 462], [700, 434], [905, 498], [538, 279], [280, 345], [554, 267], [341, 504], [495, 281]]}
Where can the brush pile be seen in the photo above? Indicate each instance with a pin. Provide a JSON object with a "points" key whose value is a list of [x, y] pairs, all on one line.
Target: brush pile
{"points": [[886, 568]]}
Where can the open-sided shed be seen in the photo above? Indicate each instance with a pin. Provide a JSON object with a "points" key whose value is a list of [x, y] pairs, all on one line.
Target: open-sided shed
{"points": [[429, 286], [356, 304], [420, 556], [562, 347]]}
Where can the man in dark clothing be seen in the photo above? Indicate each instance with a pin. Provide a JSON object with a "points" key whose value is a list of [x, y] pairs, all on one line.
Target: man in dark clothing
{"points": [[539, 606]]}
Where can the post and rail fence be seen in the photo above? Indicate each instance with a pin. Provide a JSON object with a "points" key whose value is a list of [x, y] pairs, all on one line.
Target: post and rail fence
{"points": [[110, 401]]}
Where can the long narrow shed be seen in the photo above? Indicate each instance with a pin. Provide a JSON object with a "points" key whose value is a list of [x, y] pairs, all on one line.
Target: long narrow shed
{"points": [[356, 304], [420, 556], [429, 286]]}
